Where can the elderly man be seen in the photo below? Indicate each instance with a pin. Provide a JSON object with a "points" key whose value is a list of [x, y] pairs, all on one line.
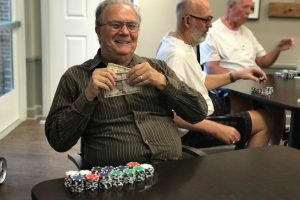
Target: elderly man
{"points": [[117, 127], [177, 49], [231, 46]]}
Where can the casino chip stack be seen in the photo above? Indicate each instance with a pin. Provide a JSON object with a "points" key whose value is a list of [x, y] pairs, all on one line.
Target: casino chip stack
{"points": [[149, 170], [267, 91], [117, 178], [105, 180], [129, 176], [91, 182], [107, 177], [68, 177], [140, 174], [77, 183]]}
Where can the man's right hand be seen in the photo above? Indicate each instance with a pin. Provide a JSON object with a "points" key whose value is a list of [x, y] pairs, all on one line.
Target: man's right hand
{"points": [[227, 134], [102, 78]]}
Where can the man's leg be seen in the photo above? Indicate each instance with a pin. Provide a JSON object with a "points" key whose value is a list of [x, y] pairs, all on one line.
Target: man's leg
{"points": [[262, 128]]}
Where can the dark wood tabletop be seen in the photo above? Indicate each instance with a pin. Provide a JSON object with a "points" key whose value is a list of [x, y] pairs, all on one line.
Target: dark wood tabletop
{"points": [[264, 173], [285, 96]]}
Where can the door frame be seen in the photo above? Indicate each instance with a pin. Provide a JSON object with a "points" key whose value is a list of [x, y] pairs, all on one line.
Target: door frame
{"points": [[19, 66]]}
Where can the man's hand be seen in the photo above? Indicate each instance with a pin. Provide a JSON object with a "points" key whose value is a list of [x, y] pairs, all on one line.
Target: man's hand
{"points": [[227, 134], [144, 74], [252, 73], [102, 78], [285, 44]]}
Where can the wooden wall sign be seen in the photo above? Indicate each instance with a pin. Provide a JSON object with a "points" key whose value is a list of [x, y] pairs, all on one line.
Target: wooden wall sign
{"points": [[284, 10]]}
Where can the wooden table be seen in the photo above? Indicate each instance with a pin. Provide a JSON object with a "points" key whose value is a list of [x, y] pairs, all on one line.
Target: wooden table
{"points": [[285, 96], [264, 173]]}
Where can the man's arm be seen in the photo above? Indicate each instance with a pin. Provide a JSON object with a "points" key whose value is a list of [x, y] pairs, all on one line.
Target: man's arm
{"points": [[187, 102], [269, 59], [222, 132], [213, 81], [71, 111], [213, 67]]}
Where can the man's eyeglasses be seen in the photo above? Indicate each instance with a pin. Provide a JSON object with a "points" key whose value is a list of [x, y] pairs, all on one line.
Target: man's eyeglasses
{"points": [[206, 20], [118, 25]]}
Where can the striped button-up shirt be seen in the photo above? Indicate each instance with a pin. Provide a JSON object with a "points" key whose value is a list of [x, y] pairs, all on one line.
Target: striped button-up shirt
{"points": [[116, 130]]}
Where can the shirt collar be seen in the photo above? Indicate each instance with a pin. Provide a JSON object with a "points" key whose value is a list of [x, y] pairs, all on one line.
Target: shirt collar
{"points": [[98, 61]]}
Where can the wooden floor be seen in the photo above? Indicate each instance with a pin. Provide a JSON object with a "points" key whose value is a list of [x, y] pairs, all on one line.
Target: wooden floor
{"points": [[30, 160]]}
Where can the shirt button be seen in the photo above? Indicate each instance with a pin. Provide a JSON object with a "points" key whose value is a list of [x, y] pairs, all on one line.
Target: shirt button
{"points": [[146, 141]]}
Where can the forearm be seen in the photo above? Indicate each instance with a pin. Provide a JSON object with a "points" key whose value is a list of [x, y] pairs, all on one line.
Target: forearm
{"points": [[204, 126], [268, 59], [215, 81], [215, 68], [185, 101]]}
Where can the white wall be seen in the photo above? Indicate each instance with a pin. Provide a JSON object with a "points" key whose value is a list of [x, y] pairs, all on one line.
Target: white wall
{"points": [[158, 18]]}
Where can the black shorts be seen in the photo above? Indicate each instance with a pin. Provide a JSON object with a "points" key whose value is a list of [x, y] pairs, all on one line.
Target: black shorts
{"points": [[241, 121]]}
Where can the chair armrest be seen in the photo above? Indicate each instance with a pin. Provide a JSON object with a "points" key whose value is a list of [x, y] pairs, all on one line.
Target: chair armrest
{"points": [[76, 159], [193, 151]]}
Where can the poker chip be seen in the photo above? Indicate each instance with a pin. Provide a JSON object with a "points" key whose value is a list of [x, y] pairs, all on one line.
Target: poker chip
{"points": [[140, 174], [117, 178], [91, 182], [149, 170], [107, 168], [132, 164], [96, 170], [129, 176], [121, 168], [104, 178], [105, 181], [267, 91], [84, 172], [68, 177], [286, 74], [77, 183]]}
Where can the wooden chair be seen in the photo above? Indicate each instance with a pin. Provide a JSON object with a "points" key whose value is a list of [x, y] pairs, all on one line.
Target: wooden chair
{"points": [[187, 152]]}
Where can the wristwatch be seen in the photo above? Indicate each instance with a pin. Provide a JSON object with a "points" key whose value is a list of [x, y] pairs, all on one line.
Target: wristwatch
{"points": [[3, 168]]}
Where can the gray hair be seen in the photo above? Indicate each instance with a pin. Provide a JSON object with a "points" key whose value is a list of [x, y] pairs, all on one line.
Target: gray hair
{"points": [[231, 2], [105, 3], [180, 7]]}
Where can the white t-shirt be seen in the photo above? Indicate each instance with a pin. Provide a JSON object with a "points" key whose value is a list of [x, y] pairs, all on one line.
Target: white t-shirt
{"points": [[181, 57], [236, 50]]}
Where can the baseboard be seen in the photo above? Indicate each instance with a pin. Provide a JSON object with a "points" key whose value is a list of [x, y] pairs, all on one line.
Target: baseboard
{"points": [[11, 127], [35, 111]]}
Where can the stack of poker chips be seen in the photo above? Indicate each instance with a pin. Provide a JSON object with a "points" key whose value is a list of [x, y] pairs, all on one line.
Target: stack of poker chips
{"points": [[107, 177], [91, 182], [286, 74], [140, 174], [117, 178], [105, 180], [267, 91], [129, 176], [149, 170]]}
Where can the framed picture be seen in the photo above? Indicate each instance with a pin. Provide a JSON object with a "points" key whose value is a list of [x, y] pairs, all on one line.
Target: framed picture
{"points": [[255, 10]]}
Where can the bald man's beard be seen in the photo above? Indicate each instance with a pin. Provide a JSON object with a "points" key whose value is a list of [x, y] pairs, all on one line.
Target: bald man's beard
{"points": [[198, 37]]}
